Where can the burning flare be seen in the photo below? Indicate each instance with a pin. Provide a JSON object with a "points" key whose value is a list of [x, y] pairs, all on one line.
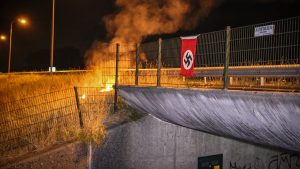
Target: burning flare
{"points": [[83, 96], [108, 88]]}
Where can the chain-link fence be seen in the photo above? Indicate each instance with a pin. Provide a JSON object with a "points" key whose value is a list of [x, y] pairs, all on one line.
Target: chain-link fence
{"points": [[260, 56], [37, 122]]}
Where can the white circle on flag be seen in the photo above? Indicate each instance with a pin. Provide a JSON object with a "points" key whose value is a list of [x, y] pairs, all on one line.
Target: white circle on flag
{"points": [[188, 59]]}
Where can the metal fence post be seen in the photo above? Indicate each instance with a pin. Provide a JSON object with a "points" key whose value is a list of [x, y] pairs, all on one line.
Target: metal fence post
{"points": [[137, 62], [159, 62], [227, 57], [116, 78], [78, 107]]}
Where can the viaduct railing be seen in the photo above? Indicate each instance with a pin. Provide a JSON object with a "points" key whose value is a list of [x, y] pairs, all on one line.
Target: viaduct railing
{"points": [[234, 58]]}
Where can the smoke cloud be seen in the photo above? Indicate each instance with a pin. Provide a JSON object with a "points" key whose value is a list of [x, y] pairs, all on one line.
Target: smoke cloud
{"points": [[138, 19]]}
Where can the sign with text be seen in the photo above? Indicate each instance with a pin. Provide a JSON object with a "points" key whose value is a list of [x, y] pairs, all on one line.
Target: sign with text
{"points": [[188, 55], [264, 30]]}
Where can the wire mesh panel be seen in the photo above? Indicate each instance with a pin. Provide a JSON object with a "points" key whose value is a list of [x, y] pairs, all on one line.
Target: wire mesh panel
{"points": [[28, 121], [211, 49], [266, 55], [95, 102], [210, 58], [270, 43], [171, 49], [127, 64], [148, 64], [170, 72], [37, 122]]}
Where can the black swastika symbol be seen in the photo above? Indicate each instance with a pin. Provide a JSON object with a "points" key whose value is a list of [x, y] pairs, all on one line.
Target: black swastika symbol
{"points": [[188, 59]]}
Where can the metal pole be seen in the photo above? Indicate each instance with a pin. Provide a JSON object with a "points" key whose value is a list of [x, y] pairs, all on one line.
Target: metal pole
{"points": [[10, 46], [52, 36], [159, 62], [78, 107], [116, 78], [227, 57], [137, 62]]}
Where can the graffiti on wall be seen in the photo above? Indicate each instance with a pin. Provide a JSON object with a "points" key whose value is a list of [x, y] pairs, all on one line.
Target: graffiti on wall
{"points": [[279, 161]]}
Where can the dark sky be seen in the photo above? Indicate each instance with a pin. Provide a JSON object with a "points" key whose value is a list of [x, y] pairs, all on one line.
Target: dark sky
{"points": [[78, 24]]}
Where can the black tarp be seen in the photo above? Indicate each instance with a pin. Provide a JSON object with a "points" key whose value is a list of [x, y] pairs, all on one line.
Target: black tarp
{"points": [[266, 118]]}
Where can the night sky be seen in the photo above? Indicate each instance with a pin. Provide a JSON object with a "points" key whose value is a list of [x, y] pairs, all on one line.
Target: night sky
{"points": [[79, 23]]}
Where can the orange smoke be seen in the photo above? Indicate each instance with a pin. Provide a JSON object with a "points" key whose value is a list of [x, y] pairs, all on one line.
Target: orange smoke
{"points": [[138, 19]]}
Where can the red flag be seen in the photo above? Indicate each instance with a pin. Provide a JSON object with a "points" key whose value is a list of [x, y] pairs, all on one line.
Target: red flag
{"points": [[188, 55]]}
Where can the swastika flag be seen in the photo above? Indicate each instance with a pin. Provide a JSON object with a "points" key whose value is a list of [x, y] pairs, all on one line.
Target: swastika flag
{"points": [[188, 55]]}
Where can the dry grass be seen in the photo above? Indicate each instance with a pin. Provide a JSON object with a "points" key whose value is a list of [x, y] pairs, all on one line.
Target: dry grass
{"points": [[18, 86], [39, 110]]}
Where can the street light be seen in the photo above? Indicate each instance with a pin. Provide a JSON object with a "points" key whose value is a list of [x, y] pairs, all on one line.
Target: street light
{"points": [[22, 21], [2, 37]]}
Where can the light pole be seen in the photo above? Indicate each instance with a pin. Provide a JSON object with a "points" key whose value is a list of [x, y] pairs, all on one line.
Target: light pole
{"points": [[52, 37], [2, 37], [21, 21]]}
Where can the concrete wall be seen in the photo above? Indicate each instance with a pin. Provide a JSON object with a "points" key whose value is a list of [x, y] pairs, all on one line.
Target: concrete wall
{"points": [[153, 144]]}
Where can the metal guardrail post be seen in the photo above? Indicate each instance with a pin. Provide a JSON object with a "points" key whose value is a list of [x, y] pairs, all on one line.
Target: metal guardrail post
{"points": [[137, 62], [159, 62], [78, 107], [116, 78], [227, 57]]}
